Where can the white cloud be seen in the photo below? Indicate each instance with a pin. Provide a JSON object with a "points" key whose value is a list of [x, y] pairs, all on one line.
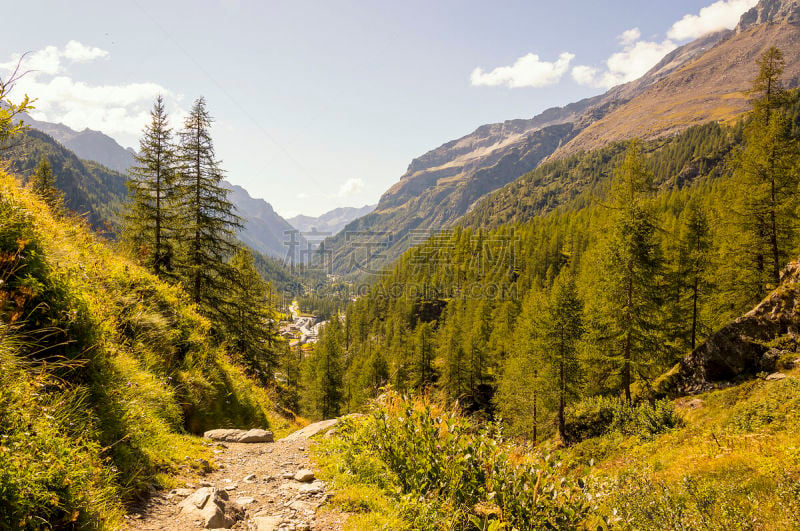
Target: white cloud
{"points": [[350, 187], [720, 15], [120, 110], [630, 36], [631, 63], [527, 71]]}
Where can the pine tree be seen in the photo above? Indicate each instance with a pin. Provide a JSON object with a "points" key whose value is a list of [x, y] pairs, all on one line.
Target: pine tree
{"points": [[43, 184], [322, 378], [766, 176], [696, 248], [250, 318], [524, 391], [628, 286], [209, 223], [563, 330], [152, 218]]}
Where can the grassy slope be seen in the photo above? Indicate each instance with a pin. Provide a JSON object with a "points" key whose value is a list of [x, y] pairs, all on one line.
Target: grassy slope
{"points": [[734, 463], [124, 368]]}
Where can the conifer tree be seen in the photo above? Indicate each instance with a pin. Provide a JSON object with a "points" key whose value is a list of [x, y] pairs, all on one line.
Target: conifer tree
{"points": [[628, 287], [209, 223], [696, 247], [563, 330], [524, 390], [43, 184], [766, 175], [322, 377], [251, 317], [152, 219]]}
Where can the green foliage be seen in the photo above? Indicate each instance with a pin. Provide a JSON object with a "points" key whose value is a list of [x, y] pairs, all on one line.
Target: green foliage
{"points": [[447, 472], [10, 122], [322, 374], [251, 324], [151, 220], [208, 221], [120, 360], [594, 417]]}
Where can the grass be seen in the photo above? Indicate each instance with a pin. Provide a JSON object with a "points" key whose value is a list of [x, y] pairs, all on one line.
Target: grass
{"points": [[732, 462], [107, 372]]}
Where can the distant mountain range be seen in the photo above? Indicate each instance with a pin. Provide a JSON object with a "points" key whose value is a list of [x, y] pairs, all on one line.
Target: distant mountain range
{"points": [[88, 144], [265, 230], [330, 222], [704, 80]]}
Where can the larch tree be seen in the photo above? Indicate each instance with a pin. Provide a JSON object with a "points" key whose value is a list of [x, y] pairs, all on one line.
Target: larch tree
{"points": [[43, 184], [696, 251], [563, 330], [766, 173], [250, 318], [152, 219], [209, 222], [631, 263]]}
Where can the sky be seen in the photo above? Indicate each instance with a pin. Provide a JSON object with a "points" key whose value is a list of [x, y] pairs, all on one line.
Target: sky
{"points": [[324, 104]]}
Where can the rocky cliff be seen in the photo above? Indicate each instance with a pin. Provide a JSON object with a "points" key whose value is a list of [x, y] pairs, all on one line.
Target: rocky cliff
{"points": [[761, 341]]}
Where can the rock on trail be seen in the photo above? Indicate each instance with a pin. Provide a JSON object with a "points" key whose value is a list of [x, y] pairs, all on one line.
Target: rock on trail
{"points": [[259, 485]]}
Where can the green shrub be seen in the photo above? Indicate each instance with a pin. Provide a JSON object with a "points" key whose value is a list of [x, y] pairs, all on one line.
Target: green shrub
{"points": [[597, 416], [449, 473]]}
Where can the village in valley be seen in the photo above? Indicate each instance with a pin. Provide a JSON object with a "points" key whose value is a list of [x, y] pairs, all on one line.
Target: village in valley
{"points": [[301, 328]]}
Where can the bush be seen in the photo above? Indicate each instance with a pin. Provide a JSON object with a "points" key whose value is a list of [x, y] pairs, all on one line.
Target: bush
{"points": [[449, 473], [597, 416]]}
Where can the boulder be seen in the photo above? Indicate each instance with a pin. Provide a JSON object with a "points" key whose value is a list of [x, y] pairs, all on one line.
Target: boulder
{"points": [[775, 376], [210, 506], [739, 350], [240, 436], [304, 476], [311, 430]]}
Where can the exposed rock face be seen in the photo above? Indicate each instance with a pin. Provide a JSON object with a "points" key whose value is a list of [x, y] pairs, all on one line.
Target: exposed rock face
{"points": [[240, 436], [775, 11], [740, 349]]}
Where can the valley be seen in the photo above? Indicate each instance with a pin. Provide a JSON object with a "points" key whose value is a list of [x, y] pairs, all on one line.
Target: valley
{"points": [[585, 319]]}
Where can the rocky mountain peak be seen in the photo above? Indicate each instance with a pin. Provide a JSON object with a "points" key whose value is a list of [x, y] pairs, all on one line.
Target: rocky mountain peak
{"points": [[775, 11]]}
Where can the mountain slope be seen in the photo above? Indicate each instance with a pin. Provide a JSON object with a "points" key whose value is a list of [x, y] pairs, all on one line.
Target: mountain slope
{"points": [[88, 144], [444, 183], [712, 87], [89, 188], [330, 222], [264, 230]]}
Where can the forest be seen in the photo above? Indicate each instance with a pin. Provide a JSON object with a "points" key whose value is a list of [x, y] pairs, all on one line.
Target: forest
{"points": [[589, 277]]}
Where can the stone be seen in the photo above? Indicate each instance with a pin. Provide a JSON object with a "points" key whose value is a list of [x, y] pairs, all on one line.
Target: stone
{"points": [[302, 506], [209, 505], [249, 479], [181, 492], [265, 523], [311, 488], [240, 436], [775, 376], [311, 430], [245, 500], [304, 475], [287, 475]]}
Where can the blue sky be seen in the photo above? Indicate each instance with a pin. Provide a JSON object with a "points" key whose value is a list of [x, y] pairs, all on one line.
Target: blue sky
{"points": [[324, 104]]}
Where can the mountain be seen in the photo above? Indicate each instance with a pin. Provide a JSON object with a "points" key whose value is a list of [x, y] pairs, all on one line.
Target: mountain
{"points": [[89, 188], [264, 230], [711, 87], [88, 144], [442, 185], [90, 167], [330, 222]]}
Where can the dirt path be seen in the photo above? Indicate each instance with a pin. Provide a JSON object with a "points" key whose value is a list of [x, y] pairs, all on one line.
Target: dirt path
{"points": [[258, 486]]}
